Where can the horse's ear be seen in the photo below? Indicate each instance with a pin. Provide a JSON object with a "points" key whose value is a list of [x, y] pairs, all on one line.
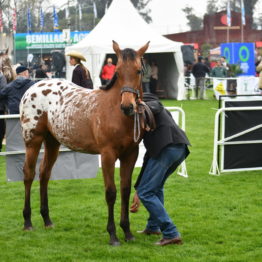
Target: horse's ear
{"points": [[143, 49], [116, 48], [6, 51]]}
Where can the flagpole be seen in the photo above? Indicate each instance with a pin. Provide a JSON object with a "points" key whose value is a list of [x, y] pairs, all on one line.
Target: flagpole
{"points": [[243, 20], [14, 49], [228, 19], [242, 33]]}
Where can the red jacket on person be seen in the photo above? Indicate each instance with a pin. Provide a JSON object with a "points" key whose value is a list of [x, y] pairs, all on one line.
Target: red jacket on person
{"points": [[108, 72]]}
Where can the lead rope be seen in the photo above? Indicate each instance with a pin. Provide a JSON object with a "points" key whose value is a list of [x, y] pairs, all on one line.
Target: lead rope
{"points": [[136, 127]]}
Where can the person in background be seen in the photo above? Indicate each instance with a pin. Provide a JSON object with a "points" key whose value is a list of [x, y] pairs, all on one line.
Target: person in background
{"points": [[224, 63], [146, 76], [81, 75], [3, 83], [219, 70], [40, 72], [166, 148], [154, 77], [207, 63], [108, 71], [13, 92], [199, 71], [259, 70]]}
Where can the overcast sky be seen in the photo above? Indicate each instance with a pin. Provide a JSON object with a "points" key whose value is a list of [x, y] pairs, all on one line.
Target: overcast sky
{"points": [[168, 16]]}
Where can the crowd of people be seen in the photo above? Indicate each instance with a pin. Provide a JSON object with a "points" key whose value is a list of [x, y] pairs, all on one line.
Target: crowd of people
{"points": [[202, 69]]}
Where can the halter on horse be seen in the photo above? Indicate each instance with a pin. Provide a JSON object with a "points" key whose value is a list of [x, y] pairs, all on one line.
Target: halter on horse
{"points": [[6, 66], [98, 122]]}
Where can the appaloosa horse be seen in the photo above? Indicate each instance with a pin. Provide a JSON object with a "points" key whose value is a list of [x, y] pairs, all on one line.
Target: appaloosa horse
{"points": [[98, 122]]}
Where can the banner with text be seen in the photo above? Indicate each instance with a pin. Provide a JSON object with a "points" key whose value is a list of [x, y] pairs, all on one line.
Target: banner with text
{"points": [[47, 40]]}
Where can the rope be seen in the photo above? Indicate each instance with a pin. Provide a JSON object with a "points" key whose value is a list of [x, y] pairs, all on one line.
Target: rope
{"points": [[136, 127]]}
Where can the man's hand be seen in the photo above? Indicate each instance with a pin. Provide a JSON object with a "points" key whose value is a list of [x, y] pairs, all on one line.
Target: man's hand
{"points": [[135, 204]]}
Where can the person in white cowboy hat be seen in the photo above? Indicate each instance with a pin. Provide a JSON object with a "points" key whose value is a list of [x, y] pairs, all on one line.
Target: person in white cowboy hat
{"points": [[81, 75]]}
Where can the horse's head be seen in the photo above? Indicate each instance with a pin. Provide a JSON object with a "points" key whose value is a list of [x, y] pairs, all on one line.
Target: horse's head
{"points": [[129, 76], [6, 66]]}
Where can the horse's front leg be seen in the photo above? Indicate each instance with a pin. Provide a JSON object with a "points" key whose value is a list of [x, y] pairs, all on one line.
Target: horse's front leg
{"points": [[126, 169], [108, 167]]}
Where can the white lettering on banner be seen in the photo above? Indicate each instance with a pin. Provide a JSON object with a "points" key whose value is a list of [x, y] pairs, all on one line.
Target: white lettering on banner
{"points": [[28, 39], [244, 67], [52, 40]]}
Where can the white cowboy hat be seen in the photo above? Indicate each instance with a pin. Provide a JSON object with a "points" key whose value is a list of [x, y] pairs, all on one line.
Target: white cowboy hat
{"points": [[77, 55]]}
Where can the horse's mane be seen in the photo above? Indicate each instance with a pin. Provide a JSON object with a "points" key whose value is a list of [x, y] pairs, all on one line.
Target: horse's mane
{"points": [[127, 54], [110, 84]]}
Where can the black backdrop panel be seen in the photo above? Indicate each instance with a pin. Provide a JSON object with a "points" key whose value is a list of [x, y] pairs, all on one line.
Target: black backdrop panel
{"points": [[248, 155]]}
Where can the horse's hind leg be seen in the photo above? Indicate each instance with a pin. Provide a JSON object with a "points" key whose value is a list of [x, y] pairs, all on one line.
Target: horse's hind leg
{"points": [[50, 156], [32, 151], [126, 169]]}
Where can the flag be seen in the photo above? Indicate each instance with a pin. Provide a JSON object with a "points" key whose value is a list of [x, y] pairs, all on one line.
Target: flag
{"points": [[95, 10], [56, 25], [14, 20], [80, 12], [42, 21], [106, 7], [1, 21], [67, 12], [228, 13], [243, 16], [29, 22]]}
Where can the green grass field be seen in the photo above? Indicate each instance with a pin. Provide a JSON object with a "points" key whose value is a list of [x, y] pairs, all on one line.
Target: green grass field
{"points": [[220, 218]]}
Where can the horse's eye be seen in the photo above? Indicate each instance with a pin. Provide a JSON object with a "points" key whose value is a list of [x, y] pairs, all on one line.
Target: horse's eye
{"points": [[138, 72]]}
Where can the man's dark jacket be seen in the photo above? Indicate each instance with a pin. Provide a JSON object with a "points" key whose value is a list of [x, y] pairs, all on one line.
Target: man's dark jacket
{"points": [[200, 70], [13, 93], [167, 132], [3, 83]]}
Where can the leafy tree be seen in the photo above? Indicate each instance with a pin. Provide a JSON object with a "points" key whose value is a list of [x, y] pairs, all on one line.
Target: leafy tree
{"points": [[249, 7], [205, 48], [212, 7], [194, 22], [87, 22]]}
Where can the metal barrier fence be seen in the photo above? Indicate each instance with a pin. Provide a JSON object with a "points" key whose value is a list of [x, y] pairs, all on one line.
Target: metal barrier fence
{"points": [[70, 164]]}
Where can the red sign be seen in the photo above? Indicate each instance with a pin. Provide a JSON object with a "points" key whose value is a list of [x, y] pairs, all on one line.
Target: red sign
{"points": [[223, 19]]}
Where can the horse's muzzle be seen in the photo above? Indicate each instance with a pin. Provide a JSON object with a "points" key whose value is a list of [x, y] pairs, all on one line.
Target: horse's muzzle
{"points": [[128, 110]]}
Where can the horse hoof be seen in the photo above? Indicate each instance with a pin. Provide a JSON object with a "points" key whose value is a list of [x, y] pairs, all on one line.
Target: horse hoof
{"points": [[129, 239], [49, 226], [28, 228], [114, 243]]}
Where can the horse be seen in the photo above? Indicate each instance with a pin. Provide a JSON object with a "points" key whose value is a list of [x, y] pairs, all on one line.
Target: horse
{"points": [[6, 66], [99, 121]]}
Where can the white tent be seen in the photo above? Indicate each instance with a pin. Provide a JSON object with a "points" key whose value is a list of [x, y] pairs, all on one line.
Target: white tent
{"points": [[123, 24]]}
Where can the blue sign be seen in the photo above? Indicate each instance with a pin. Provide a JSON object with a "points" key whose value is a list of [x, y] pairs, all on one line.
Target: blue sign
{"points": [[242, 54]]}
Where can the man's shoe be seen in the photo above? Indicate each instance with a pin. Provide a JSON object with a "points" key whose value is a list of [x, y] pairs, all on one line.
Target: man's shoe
{"points": [[166, 241], [149, 232]]}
